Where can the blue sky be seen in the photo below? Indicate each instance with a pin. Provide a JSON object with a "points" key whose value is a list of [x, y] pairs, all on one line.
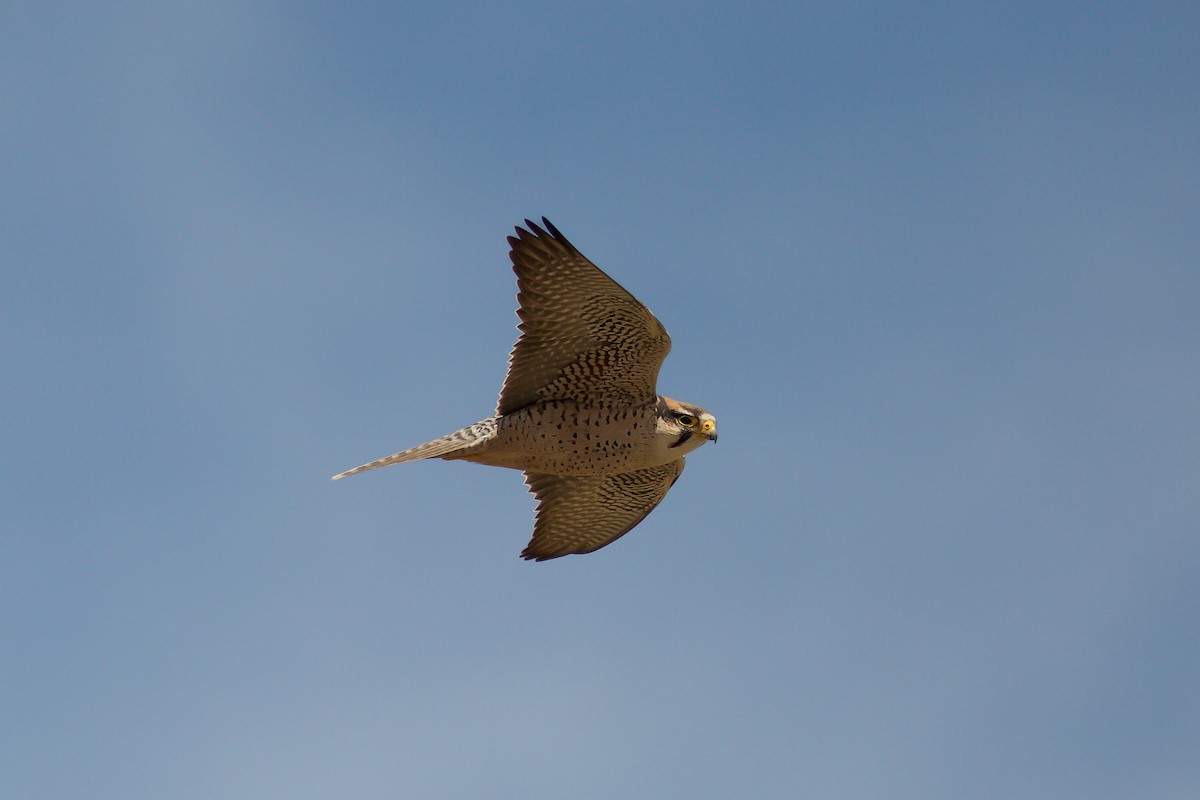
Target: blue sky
{"points": [[934, 267]]}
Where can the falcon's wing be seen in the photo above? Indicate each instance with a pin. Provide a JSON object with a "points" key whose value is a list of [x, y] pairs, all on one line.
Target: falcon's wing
{"points": [[583, 337], [581, 514]]}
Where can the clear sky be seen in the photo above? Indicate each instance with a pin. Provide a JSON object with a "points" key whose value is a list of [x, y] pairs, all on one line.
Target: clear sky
{"points": [[935, 268]]}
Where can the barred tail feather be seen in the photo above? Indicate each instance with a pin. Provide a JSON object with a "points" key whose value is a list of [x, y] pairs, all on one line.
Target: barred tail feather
{"points": [[461, 440]]}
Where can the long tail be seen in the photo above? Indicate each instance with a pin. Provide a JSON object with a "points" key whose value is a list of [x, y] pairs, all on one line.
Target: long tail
{"points": [[464, 439]]}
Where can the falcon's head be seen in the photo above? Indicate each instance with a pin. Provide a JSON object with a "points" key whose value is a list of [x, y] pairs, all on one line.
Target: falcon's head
{"points": [[684, 426]]}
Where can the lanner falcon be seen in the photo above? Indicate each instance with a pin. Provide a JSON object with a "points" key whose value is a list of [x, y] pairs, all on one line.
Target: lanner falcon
{"points": [[579, 413]]}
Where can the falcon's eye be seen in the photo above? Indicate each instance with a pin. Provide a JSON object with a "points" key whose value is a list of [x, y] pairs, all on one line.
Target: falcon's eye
{"points": [[686, 420]]}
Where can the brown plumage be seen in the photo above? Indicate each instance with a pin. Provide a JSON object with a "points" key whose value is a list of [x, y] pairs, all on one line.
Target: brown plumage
{"points": [[579, 412]]}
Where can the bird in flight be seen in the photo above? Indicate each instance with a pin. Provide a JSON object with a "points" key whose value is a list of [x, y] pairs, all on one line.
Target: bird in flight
{"points": [[579, 411]]}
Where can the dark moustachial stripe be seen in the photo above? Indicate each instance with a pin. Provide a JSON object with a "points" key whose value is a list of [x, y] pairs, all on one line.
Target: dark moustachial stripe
{"points": [[683, 437]]}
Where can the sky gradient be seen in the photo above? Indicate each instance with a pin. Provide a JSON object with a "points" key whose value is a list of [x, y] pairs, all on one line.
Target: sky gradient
{"points": [[935, 268]]}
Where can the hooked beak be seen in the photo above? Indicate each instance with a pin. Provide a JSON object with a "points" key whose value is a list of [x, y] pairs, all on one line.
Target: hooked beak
{"points": [[708, 429]]}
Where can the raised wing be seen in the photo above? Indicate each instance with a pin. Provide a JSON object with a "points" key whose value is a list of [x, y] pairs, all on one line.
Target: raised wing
{"points": [[582, 514], [583, 337]]}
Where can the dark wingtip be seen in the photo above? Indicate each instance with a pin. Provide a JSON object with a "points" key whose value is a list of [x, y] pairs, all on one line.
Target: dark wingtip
{"points": [[547, 240], [557, 234], [529, 555], [547, 227]]}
